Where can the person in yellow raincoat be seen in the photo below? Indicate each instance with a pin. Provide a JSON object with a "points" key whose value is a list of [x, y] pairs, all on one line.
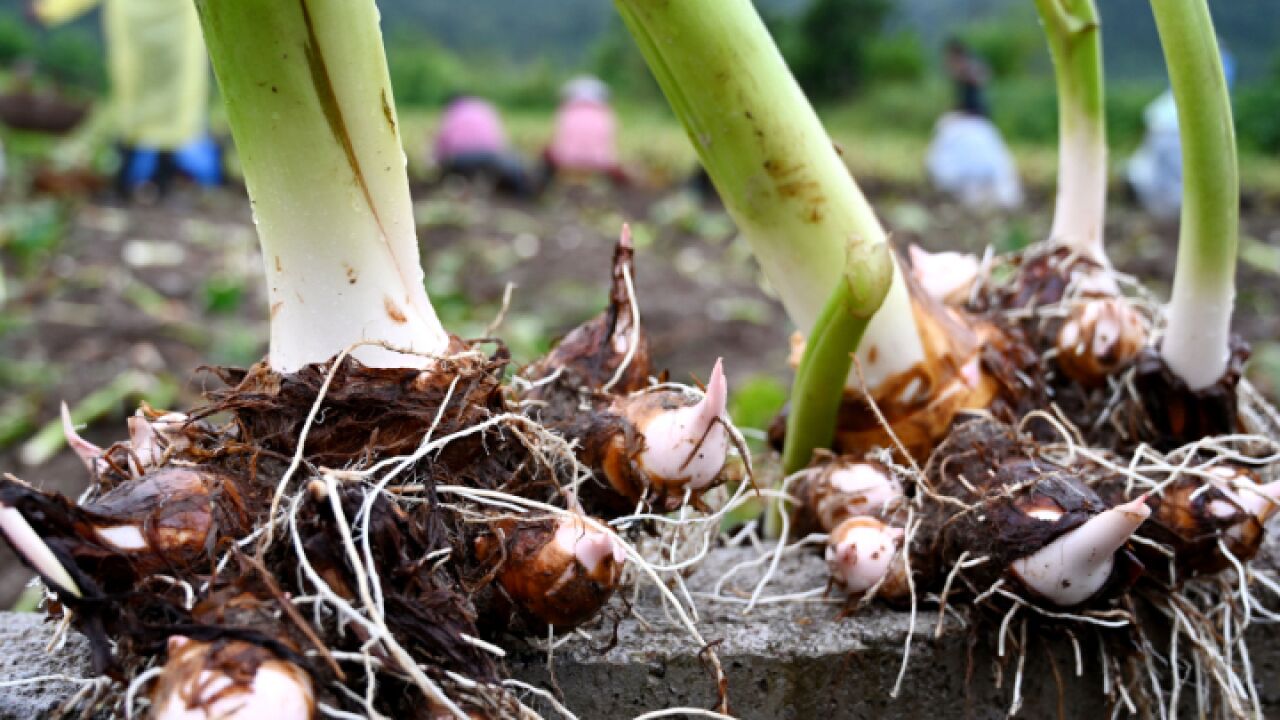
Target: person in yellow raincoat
{"points": [[159, 76]]}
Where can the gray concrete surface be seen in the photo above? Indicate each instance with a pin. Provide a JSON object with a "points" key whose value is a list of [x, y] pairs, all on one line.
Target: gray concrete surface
{"points": [[785, 661]]}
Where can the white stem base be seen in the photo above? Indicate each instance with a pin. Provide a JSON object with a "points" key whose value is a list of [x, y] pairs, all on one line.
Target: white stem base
{"points": [[1196, 344], [1082, 194], [891, 344]]}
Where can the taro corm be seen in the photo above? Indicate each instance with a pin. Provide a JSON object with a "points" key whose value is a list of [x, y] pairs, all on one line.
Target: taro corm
{"points": [[346, 527], [1033, 447]]}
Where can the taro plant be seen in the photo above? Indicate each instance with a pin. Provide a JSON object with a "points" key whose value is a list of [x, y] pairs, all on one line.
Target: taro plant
{"points": [[1191, 386], [815, 235], [345, 527], [1043, 504]]}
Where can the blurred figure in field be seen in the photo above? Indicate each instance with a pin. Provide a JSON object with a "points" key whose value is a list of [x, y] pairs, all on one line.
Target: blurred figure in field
{"points": [[159, 77], [967, 158], [969, 74], [471, 143], [584, 141], [1154, 172]]}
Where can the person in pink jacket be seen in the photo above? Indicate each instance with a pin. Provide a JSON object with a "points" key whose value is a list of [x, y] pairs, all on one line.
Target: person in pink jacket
{"points": [[472, 143], [585, 137]]}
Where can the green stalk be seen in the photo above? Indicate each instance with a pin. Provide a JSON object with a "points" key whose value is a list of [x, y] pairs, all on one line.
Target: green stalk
{"points": [[1196, 341], [828, 356], [310, 107], [1075, 43], [772, 162]]}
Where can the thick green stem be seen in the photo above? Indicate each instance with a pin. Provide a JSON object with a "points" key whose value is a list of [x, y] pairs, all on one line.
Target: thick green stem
{"points": [[1075, 44], [1196, 341], [772, 162], [310, 106], [815, 402]]}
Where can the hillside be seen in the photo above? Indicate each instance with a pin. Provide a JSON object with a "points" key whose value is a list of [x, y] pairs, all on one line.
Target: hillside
{"points": [[565, 30]]}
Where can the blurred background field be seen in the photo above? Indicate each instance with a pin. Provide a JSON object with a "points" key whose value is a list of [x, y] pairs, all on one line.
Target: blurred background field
{"points": [[105, 303]]}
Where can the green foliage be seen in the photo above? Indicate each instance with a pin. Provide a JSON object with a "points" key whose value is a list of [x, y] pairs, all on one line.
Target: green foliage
{"points": [[829, 52], [616, 60], [422, 73], [15, 39], [74, 57], [1257, 113], [896, 59], [757, 401], [1026, 111], [223, 293], [1126, 104], [1009, 46], [426, 74], [32, 232]]}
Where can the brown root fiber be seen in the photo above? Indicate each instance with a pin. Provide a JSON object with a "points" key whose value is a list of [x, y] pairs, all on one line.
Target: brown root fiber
{"points": [[1176, 414], [368, 412], [220, 533]]}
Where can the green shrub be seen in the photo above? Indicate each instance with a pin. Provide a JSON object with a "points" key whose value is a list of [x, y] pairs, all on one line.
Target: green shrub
{"points": [[1026, 109], [616, 60], [1257, 113], [1009, 46], [829, 51], [15, 39], [74, 57], [896, 59], [422, 73]]}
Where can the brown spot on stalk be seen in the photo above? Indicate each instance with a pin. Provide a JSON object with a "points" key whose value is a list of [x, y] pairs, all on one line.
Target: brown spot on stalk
{"points": [[351, 274], [394, 312], [873, 352], [275, 309], [279, 267], [387, 112], [778, 171]]}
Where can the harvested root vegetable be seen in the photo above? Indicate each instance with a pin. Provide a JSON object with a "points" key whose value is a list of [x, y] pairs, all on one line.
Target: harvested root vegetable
{"points": [[560, 572], [232, 680], [1099, 338], [35, 553], [830, 492], [229, 679], [237, 661], [920, 404], [1201, 520], [332, 532], [1039, 523], [863, 553], [654, 447], [1077, 565], [607, 354], [646, 445]]}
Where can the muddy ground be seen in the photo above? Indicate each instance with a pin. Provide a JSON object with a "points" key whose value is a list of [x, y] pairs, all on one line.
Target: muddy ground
{"points": [[136, 299]]}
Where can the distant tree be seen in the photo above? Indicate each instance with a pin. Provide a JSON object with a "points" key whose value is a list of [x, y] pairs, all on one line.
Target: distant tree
{"points": [[830, 45], [1009, 44], [15, 39], [615, 59]]}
